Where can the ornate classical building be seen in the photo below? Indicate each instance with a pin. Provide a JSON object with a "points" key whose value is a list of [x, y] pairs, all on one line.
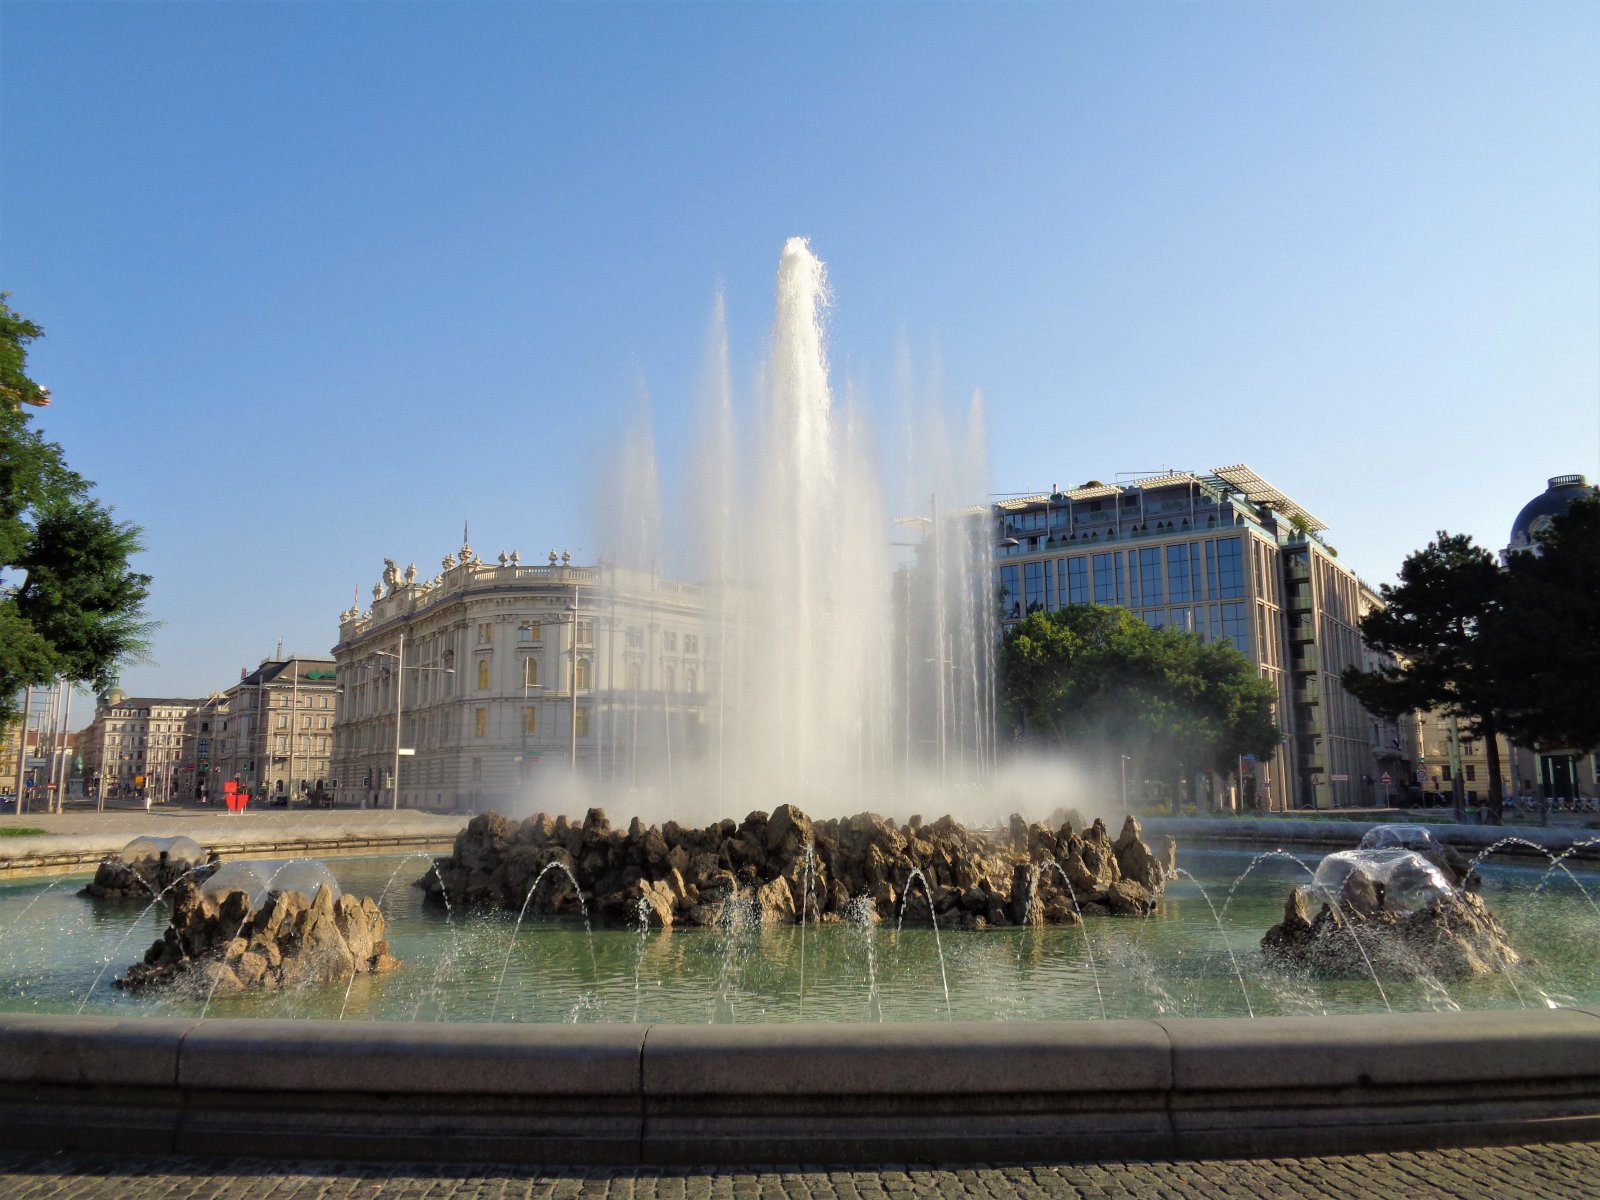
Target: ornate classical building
{"points": [[1228, 557], [479, 682]]}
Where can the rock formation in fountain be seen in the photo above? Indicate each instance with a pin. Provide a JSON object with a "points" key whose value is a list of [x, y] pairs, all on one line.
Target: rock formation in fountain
{"points": [[225, 944], [117, 880], [1391, 913], [1450, 861], [149, 866], [787, 866]]}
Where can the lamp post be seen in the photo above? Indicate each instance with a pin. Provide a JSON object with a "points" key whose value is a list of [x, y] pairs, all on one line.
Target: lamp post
{"points": [[1124, 766]]}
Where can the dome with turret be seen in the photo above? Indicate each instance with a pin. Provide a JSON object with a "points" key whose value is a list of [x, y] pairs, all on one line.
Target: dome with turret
{"points": [[1537, 513]]}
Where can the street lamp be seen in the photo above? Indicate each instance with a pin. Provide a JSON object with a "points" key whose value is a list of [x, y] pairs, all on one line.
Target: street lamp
{"points": [[399, 655]]}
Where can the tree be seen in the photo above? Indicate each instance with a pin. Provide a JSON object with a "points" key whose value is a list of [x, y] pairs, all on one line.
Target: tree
{"points": [[1100, 682], [70, 606], [1545, 637], [1431, 627]]}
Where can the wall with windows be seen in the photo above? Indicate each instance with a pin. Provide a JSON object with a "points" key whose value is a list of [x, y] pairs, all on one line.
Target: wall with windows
{"points": [[1199, 584], [513, 672]]}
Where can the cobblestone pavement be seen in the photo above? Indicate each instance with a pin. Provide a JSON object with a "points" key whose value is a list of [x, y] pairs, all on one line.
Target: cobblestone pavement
{"points": [[1558, 1172]]}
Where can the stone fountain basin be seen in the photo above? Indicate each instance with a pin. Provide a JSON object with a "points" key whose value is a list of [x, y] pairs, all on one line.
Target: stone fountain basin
{"points": [[618, 1095]]}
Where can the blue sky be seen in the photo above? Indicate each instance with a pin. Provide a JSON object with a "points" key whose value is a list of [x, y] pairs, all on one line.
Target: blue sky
{"points": [[320, 281]]}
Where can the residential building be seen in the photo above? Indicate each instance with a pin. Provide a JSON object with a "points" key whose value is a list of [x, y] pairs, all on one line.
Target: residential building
{"points": [[134, 745], [200, 772], [492, 676], [272, 732], [1448, 751], [1228, 557]]}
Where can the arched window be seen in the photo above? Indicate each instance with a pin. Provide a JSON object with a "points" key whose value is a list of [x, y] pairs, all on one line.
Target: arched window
{"points": [[530, 672], [583, 675], [483, 674]]}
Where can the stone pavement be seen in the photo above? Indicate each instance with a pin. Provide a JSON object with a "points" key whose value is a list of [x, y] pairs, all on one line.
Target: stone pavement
{"points": [[1558, 1172]]}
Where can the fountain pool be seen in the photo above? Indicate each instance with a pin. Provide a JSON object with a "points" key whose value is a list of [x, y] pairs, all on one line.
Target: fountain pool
{"points": [[1199, 956]]}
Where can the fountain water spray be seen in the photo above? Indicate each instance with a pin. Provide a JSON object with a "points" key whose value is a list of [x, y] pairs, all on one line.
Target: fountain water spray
{"points": [[527, 900]]}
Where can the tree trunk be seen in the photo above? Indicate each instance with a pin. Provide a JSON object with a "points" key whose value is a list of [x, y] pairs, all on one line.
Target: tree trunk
{"points": [[1491, 741]]}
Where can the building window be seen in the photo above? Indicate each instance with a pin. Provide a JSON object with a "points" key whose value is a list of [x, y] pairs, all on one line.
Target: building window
{"points": [[691, 643], [530, 720], [530, 672], [485, 633], [690, 680], [1178, 573], [1235, 627], [582, 718], [483, 674], [669, 640], [1472, 772], [1230, 569], [585, 633], [283, 720], [477, 770], [1105, 579], [1033, 584], [480, 722], [527, 632], [633, 677], [1150, 578], [1010, 592], [635, 637], [583, 675], [322, 722]]}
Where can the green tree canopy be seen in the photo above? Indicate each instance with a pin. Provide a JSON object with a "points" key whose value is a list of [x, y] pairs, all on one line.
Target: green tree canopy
{"points": [[70, 606], [1432, 627], [1102, 683], [1545, 637]]}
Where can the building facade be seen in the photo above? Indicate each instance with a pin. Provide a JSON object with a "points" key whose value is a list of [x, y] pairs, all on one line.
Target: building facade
{"points": [[271, 733], [1226, 556], [467, 690], [134, 745]]}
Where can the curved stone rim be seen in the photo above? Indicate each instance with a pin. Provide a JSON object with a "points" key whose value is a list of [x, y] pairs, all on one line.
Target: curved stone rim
{"points": [[618, 1095]]}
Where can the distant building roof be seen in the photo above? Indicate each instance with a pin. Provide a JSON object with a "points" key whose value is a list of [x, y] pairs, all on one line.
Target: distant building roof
{"points": [[1552, 502]]}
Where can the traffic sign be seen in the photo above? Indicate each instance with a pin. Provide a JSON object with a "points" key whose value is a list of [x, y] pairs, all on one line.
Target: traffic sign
{"points": [[1340, 778], [1386, 780]]}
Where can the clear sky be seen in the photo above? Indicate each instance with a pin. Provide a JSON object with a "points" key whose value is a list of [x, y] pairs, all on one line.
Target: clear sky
{"points": [[320, 280]]}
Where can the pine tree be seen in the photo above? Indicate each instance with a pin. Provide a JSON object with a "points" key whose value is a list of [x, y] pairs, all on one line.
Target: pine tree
{"points": [[70, 605]]}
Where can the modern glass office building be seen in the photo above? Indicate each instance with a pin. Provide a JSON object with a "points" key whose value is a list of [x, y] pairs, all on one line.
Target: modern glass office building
{"points": [[1230, 558]]}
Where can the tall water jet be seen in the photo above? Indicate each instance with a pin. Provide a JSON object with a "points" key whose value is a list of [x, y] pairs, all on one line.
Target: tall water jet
{"points": [[834, 676]]}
